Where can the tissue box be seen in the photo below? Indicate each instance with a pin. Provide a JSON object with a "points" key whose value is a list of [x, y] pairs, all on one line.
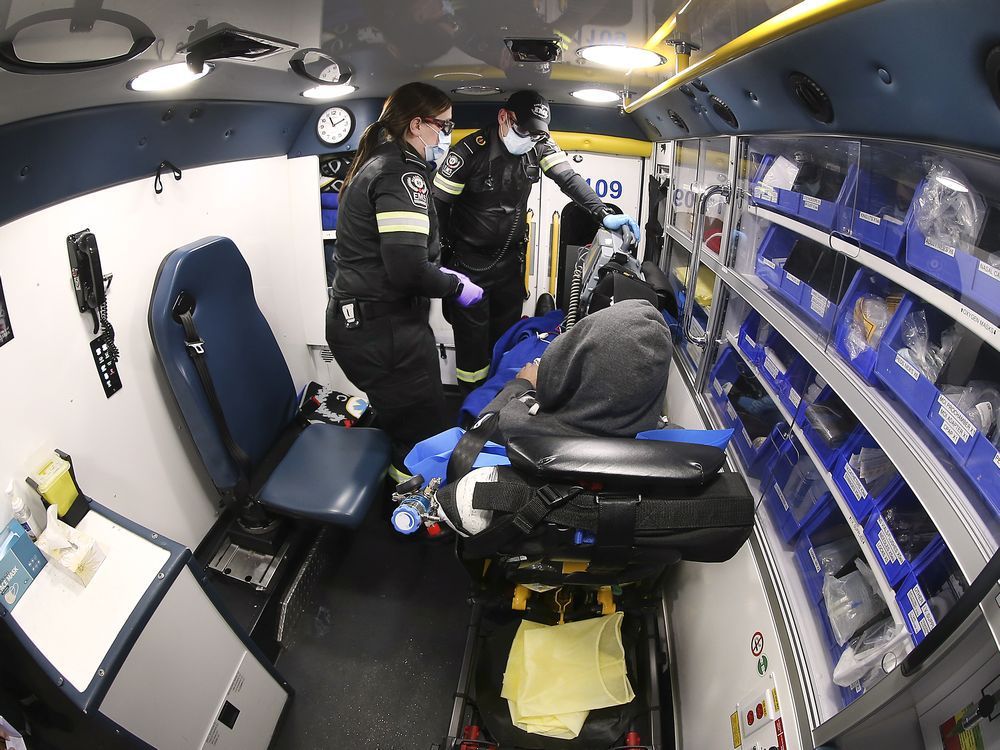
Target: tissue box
{"points": [[70, 550], [20, 563]]}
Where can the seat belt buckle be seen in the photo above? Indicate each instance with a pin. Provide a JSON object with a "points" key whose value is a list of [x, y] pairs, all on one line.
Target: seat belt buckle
{"points": [[198, 347]]}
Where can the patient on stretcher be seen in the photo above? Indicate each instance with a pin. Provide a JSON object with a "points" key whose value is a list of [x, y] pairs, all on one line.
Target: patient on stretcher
{"points": [[607, 376]]}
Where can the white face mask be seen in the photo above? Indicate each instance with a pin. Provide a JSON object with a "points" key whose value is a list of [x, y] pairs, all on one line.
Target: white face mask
{"points": [[434, 153], [518, 145]]}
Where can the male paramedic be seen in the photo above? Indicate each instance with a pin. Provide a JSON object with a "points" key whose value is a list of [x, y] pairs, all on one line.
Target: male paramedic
{"points": [[481, 195]]}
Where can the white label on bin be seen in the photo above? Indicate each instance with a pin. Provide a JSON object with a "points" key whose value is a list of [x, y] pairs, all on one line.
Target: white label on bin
{"points": [[989, 270], [730, 410], [746, 435], [811, 203], [870, 218], [717, 386], [996, 460], [818, 303], [959, 422], [854, 482], [812, 554], [749, 341], [781, 496], [887, 546], [794, 279], [979, 320], [904, 365], [893, 219], [768, 263], [766, 192], [935, 245], [952, 431], [794, 397], [914, 625], [916, 597], [772, 367]]}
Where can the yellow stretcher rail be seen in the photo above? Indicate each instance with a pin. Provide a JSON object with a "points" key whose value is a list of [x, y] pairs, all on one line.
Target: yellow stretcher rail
{"points": [[598, 144], [798, 17], [529, 256], [554, 252]]}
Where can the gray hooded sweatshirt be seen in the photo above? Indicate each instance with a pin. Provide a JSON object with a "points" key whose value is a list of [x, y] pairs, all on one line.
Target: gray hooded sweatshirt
{"points": [[607, 376]]}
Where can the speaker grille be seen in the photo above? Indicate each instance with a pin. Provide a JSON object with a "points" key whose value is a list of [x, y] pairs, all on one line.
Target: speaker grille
{"points": [[722, 110], [812, 96]]}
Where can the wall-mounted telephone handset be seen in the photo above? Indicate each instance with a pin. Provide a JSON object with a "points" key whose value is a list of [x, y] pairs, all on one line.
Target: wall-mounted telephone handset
{"points": [[91, 286]]}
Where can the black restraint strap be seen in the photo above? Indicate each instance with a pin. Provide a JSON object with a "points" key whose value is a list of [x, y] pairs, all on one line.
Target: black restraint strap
{"points": [[725, 502], [196, 350], [515, 526], [469, 446], [615, 542]]}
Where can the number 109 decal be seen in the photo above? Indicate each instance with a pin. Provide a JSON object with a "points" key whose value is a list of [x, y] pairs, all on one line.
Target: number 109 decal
{"points": [[605, 189]]}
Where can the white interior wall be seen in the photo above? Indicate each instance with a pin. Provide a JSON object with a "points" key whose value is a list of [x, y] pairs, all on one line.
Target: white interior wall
{"points": [[131, 451]]}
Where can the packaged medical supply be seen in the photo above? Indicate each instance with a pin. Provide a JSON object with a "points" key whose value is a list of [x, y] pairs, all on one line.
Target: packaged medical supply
{"points": [[20, 564], [70, 550]]}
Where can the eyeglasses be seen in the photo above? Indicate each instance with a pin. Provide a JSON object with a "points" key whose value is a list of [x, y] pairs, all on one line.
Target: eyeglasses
{"points": [[536, 137], [445, 126]]}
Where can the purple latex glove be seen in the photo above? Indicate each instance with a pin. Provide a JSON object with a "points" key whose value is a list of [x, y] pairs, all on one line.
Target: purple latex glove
{"points": [[470, 293]]}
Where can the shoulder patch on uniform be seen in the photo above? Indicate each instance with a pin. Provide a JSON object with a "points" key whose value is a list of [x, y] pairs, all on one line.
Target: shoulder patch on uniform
{"points": [[416, 188], [452, 163], [481, 140]]}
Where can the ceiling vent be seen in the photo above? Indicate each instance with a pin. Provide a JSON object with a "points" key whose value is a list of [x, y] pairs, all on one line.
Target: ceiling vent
{"points": [[677, 120], [812, 97], [722, 110]]}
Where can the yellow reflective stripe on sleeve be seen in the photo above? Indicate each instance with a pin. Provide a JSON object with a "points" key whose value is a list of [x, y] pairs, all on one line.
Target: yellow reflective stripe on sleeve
{"points": [[551, 160], [403, 221], [472, 377], [449, 186], [398, 476]]}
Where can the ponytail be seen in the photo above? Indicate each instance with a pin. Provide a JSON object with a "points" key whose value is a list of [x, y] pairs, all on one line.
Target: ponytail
{"points": [[408, 101]]}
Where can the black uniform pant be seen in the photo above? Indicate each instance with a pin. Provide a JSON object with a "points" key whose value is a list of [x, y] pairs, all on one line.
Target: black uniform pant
{"points": [[393, 359], [477, 328]]}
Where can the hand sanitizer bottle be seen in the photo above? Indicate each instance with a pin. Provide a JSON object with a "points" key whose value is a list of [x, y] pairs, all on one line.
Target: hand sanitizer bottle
{"points": [[22, 513]]}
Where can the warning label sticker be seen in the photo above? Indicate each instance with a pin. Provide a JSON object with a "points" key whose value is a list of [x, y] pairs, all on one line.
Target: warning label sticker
{"points": [[734, 721], [757, 643]]}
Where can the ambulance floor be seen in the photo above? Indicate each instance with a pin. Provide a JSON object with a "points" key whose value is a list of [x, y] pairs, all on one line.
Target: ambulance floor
{"points": [[374, 657]]}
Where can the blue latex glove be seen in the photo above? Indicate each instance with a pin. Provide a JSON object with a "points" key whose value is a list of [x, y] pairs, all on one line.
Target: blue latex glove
{"points": [[614, 222], [471, 292]]}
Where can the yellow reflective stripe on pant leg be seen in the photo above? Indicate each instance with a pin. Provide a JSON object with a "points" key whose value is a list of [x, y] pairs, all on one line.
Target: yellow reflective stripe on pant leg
{"points": [[398, 476], [472, 377]]}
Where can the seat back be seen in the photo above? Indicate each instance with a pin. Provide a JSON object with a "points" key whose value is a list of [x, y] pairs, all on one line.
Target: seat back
{"points": [[247, 367]]}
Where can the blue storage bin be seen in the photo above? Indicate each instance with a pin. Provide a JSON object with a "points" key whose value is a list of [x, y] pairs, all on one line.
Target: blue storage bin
{"points": [[901, 378], [784, 369], [883, 540], [747, 339], [770, 262], [825, 525], [828, 454], [866, 219], [951, 428], [852, 487], [725, 371], [756, 460], [936, 572], [983, 468], [864, 283], [791, 514], [816, 211]]}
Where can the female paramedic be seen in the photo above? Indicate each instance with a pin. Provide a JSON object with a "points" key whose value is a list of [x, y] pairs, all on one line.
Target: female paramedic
{"points": [[386, 268]]}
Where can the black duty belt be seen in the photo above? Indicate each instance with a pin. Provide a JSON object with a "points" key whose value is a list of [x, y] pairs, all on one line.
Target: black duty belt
{"points": [[370, 309]]}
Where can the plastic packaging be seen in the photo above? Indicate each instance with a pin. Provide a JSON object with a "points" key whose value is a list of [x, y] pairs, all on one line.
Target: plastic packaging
{"points": [[22, 513], [851, 601], [867, 653], [70, 550], [927, 357], [557, 674], [948, 211], [980, 402], [834, 556], [874, 469], [831, 425], [868, 323], [798, 490]]}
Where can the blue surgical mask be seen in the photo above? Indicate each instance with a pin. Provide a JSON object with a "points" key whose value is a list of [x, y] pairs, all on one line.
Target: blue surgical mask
{"points": [[434, 153], [518, 145]]}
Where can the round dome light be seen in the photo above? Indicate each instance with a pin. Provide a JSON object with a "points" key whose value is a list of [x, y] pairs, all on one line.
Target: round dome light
{"points": [[596, 96], [621, 57], [168, 77], [477, 90], [329, 92]]}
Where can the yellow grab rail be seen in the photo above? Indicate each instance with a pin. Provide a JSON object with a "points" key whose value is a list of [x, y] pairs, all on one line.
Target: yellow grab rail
{"points": [[554, 252], [800, 16], [529, 218]]}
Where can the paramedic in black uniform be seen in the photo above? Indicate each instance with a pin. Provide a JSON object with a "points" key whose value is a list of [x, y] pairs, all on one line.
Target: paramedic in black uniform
{"points": [[481, 195], [387, 269]]}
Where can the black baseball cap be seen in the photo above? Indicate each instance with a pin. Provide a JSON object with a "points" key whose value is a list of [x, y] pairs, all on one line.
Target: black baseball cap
{"points": [[531, 109]]}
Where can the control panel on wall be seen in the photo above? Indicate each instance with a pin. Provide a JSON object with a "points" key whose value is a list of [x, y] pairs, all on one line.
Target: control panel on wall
{"points": [[91, 285]]}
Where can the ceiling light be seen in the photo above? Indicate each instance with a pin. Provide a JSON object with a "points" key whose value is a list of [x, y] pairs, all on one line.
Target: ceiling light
{"points": [[329, 92], [168, 77], [621, 57], [458, 75], [596, 96], [477, 90]]}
